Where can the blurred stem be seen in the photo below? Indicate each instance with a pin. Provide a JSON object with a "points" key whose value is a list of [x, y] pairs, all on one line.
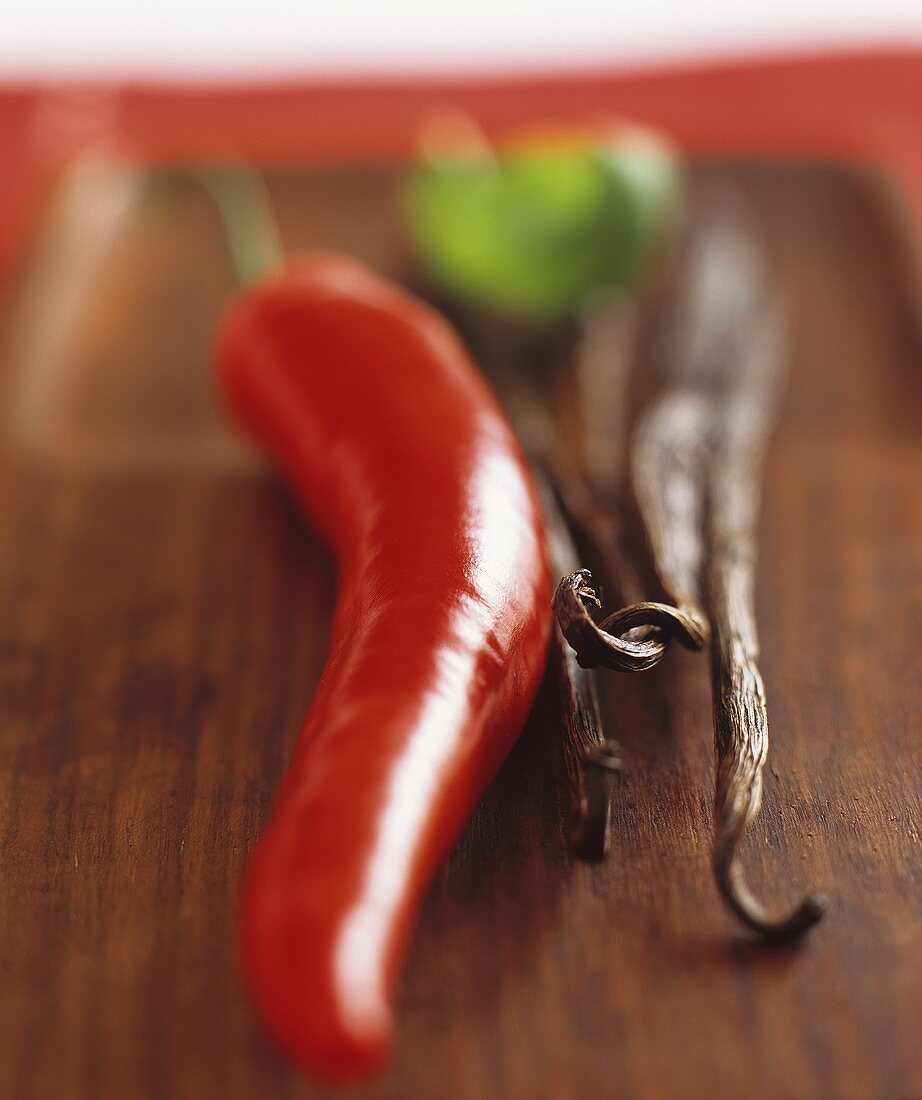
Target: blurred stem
{"points": [[244, 207]]}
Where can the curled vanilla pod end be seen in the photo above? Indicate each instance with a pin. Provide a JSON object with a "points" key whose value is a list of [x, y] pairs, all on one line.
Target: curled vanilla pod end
{"points": [[592, 760], [609, 644], [741, 735]]}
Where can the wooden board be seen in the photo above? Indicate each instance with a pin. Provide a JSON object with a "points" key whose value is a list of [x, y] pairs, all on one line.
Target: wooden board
{"points": [[164, 616]]}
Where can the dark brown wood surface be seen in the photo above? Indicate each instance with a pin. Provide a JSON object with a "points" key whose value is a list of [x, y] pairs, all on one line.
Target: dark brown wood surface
{"points": [[163, 616]]}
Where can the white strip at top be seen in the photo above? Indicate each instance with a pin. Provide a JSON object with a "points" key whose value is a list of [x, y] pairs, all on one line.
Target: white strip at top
{"points": [[208, 39]]}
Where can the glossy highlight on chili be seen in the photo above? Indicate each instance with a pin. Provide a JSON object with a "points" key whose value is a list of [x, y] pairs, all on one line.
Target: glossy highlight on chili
{"points": [[367, 404]]}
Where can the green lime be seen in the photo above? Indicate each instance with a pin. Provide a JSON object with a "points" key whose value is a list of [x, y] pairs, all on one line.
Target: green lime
{"points": [[536, 231]]}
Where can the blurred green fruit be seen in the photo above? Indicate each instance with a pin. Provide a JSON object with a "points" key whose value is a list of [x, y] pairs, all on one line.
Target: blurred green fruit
{"points": [[539, 229]]}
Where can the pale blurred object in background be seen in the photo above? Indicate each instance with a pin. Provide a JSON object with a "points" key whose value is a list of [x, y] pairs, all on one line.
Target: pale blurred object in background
{"points": [[207, 38]]}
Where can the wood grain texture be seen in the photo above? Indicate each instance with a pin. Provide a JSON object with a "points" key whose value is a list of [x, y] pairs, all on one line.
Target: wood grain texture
{"points": [[163, 625]]}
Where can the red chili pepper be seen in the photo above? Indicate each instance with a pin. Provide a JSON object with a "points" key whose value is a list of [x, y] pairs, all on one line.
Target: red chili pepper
{"points": [[367, 403]]}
